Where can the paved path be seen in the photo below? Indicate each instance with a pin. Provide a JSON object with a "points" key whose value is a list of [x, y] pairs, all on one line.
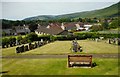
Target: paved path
{"points": [[58, 56]]}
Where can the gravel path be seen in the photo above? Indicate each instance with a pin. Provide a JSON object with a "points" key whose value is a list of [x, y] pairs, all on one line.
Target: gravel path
{"points": [[58, 56]]}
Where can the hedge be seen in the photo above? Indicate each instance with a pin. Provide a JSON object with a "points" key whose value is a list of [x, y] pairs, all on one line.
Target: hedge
{"points": [[86, 35]]}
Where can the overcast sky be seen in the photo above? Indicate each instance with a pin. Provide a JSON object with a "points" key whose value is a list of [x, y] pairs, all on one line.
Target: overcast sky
{"points": [[14, 10]]}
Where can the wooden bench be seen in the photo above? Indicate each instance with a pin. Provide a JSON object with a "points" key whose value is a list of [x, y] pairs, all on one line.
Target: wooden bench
{"points": [[79, 60]]}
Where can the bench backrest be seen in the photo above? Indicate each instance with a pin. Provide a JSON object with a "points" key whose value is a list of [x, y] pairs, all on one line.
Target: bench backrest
{"points": [[80, 58]]}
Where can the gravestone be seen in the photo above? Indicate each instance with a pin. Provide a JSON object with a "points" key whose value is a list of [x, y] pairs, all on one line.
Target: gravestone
{"points": [[26, 48], [109, 41], [118, 41], [17, 42], [35, 45], [18, 50], [22, 48], [30, 47], [75, 46]]}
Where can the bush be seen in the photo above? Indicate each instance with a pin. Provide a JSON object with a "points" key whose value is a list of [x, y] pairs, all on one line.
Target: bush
{"points": [[52, 38], [5, 42], [32, 37], [12, 41], [86, 35], [19, 38], [24, 40], [44, 37]]}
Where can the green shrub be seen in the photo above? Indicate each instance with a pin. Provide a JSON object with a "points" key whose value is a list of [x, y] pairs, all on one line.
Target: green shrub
{"points": [[19, 38], [85, 35], [44, 37], [12, 41], [24, 40], [5, 42], [32, 37]]}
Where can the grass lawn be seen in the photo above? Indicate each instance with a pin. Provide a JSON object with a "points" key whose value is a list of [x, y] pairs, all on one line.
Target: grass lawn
{"points": [[57, 66], [63, 47]]}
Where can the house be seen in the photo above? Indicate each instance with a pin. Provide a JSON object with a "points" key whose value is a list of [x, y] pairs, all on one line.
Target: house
{"points": [[68, 26], [87, 27], [78, 26], [52, 29], [21, 29], [7, 31], [61, 28]]}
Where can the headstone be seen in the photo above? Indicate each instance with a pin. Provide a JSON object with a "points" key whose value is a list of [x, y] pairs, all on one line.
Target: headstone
{"points": [[11, 44], [41, 40], [109, 41], [30, 47], [26, 48], [17, 42], [101, 38], [35, 45], [22, 48], [18, 50], [118, 41], [96, 39]]}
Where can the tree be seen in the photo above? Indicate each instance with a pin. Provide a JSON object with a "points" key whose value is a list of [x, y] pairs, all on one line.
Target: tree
{"points": [[96, 28], [3, 33], [105, 25], [32, 37], [19, 38], [5, 41], [114, 24], [33, 27]]}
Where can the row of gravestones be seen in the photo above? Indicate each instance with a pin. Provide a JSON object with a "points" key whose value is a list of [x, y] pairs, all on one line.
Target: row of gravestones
{"points": [[97, 39], [114, 41], [30, 46]]}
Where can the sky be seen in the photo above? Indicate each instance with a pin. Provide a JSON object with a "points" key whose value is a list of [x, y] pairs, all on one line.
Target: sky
{"points": [[18, 10]]}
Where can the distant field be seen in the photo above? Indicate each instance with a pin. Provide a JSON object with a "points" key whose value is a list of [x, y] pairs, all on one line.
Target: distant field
{"points": [[57, 66], [63, 47]]}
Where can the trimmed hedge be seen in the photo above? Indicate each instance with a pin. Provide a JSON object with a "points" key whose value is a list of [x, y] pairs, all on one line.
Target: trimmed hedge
{"points": [[79, 36], [86, 35], [44, 37]]}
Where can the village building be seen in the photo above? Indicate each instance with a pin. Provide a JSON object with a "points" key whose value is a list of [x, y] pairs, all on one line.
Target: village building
{"points": [[21, 29], [61, 28], [7, 31], [52, 29], [15, 30]]}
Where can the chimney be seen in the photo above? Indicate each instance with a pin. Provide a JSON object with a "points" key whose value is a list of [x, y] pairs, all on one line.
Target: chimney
{"points": [[38, 26], [62, 26], [48, 26]]}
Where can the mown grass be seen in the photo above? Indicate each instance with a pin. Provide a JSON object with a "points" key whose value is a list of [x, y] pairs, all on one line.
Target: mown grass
{"points": [[57, 66], [63, 47]]}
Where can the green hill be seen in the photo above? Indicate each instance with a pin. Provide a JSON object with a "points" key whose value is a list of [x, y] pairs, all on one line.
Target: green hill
{"points": [[41, 17], [111, 11]]}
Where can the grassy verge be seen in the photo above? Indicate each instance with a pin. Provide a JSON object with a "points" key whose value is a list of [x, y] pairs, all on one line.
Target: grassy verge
{"points": [[63, 47], [57, 67]]}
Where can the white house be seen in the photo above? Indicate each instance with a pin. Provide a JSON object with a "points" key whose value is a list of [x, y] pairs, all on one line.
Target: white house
{"points": [[87, 26]]}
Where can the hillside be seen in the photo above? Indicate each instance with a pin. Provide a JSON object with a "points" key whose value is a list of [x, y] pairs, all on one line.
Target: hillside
{"points": [[110, 11], [42, 17]]}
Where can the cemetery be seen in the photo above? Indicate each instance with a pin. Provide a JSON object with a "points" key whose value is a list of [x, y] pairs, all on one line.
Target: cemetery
{"points": [[78, 60]]}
